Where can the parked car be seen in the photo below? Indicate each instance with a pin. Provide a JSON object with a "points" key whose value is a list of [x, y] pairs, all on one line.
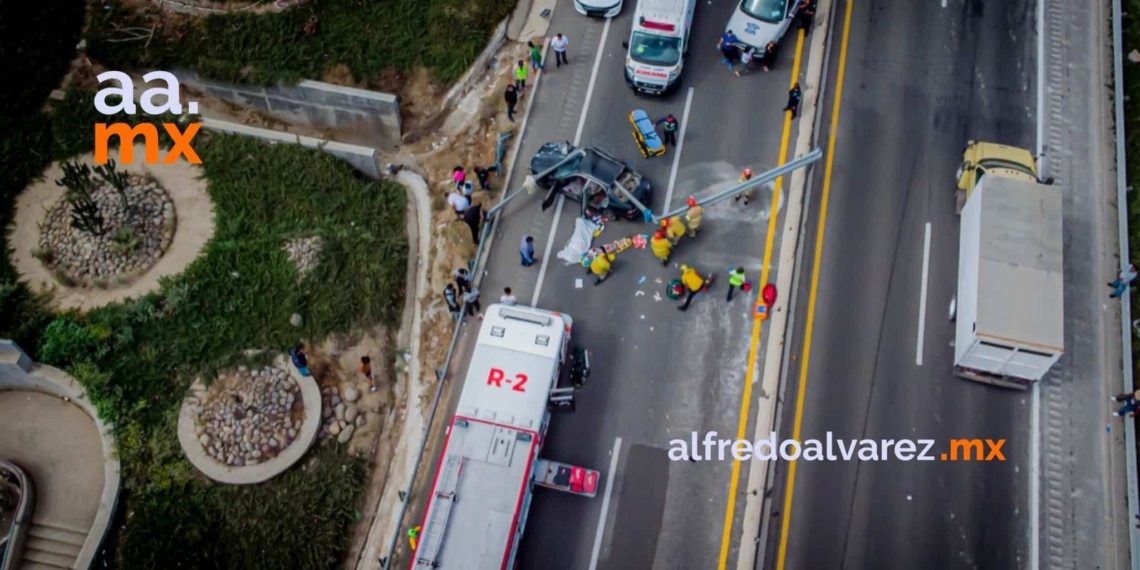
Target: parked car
{"points": [[757, 22], [593, 179], [598, 8]]}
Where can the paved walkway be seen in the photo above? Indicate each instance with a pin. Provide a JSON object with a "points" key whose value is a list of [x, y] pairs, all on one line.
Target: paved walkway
{"points": [[58, 445]]}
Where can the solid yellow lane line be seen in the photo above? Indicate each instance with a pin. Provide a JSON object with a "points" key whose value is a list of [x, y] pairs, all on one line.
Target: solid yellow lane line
{"points": [[750, 374], [805, 358]]}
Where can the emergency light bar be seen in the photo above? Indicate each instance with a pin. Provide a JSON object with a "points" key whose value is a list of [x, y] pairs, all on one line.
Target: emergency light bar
{"points": [[657, 25]]}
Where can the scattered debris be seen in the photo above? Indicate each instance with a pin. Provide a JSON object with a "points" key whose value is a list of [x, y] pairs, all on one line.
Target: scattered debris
{"points": [[657, 295], [578, 283], [639, 293], [642, 280]]}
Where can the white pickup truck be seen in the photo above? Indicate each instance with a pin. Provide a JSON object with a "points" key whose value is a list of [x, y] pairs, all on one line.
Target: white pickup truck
{"points": [[1009, 309]]}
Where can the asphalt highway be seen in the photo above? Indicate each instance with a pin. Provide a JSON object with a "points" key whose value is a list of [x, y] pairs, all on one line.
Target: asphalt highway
{"points": [[657, 373], [920, 80]]}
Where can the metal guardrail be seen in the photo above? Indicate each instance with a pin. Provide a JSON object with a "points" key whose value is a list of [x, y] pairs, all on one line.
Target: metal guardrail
{"points": [[1125, 299], [492, 218]]}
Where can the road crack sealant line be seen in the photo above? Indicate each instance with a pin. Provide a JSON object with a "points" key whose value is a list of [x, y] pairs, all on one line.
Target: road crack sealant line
{"points": [[442, 373], [1125, 299], [762, 486]]}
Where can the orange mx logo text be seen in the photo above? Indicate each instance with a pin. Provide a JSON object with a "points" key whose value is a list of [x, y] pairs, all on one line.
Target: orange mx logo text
{"points": [[127, 134]]}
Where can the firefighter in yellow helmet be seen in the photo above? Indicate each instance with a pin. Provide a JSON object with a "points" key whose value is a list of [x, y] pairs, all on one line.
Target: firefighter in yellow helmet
{"points": [[693, 283], [601, 267], [674, 229], [693, 216], [745, 176], [661, 246]]}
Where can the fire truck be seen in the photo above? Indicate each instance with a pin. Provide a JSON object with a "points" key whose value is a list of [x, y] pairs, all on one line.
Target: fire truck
{"points": [[490, 463]]}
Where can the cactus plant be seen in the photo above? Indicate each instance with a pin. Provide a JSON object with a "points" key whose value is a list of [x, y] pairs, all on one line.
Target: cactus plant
{"points": [[85, 214], [117, 180]]}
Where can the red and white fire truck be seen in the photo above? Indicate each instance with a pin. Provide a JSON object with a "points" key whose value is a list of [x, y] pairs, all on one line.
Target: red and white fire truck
{"points": [[490, 463]]}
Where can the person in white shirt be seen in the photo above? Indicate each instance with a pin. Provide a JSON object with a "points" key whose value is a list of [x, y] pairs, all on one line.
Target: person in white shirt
{"points": [[508, 298], [559, 44], [459, 203]]}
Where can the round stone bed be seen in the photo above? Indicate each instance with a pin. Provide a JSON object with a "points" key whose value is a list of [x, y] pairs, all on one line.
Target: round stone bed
{"points": [[251, 424]]}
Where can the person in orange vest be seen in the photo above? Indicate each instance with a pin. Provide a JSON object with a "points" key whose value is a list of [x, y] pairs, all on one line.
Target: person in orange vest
{"points": [[601, 267], [693, 216], [745, 176], [674, 229], [414, 537], [661, 246]]}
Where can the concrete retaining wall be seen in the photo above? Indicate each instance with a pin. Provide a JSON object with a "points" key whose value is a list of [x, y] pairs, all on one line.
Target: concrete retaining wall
{"points": [[361, 158], [19, 372], [478, 68], [350, 115]]}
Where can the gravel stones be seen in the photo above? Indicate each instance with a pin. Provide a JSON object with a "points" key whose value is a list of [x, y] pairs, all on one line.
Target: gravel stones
{"points": [[305, 253], [351, 394], [341, 415], [250, 416], [134, 240]]}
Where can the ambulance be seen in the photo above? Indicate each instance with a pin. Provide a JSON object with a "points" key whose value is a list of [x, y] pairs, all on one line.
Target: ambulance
{"points": [[658, 44]]}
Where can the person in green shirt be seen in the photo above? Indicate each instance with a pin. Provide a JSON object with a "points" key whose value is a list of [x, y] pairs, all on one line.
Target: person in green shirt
{"points": [[736, 279], [520, 77], [535, 57]]}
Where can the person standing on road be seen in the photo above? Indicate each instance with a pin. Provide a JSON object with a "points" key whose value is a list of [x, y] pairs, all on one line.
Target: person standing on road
{"points": [[768, 58], [805, 13], [526, 250], [661, 246], [674, 229], [745, 176], [511, 96], [474, 218], [727, 46], [602, 266], [670, 129], [559, 44], [482, 174], [1123, 281], [794, 96], [520, 77], [736, 278], [693, 216], [462, 279], [471, 298], [535, 57], [1131, 403], [451, 297], [693, 283], [508, 298]]}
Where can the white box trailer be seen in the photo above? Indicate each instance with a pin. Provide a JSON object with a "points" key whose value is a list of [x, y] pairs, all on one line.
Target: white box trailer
{"points": [[1009, 310]]}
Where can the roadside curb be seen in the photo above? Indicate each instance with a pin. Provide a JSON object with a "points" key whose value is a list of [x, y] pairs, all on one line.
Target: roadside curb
{"points": [[754, 524]]}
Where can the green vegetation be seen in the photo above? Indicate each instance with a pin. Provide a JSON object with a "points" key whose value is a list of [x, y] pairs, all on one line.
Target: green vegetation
{"points": [[137, 358], [370, 38]]}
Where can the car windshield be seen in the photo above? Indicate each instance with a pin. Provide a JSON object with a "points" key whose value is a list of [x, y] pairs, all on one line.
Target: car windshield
{"points": [[652, 49], [771, 11]]}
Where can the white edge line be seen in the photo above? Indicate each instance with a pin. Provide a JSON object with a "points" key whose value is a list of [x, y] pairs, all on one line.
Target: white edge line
{"points": [[1035, 398], [922, 297], [577, 139], [605, 502], [677, 152]]}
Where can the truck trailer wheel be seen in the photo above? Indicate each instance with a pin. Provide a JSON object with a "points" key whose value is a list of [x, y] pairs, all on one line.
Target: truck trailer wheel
{"points": [[953, 307]]}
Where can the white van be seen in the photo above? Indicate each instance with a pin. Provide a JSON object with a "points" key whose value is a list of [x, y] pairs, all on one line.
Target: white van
{"points": [[757, 22], [658, 44]]}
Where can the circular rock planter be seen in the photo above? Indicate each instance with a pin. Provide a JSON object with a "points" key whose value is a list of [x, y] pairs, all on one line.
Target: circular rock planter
{"points": [[138, 226], [250, 424]]}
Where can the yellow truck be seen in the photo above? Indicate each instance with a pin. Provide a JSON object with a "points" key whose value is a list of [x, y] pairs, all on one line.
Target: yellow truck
{"points": [[990, 159]]}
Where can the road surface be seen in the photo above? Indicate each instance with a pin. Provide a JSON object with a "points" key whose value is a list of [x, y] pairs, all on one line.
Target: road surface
{"points": [[920, 80], [658, 374]]}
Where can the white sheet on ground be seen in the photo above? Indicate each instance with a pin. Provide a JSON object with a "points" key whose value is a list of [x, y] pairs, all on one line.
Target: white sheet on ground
{"points": [[579, 243]]}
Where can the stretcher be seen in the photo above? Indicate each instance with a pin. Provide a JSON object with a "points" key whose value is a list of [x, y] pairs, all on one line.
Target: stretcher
{"points": [[645, 134]]}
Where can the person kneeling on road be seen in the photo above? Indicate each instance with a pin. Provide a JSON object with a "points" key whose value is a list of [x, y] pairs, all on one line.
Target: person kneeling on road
{"points": [[674, 229], [693, 283], [601, 267], [661, 246]]}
